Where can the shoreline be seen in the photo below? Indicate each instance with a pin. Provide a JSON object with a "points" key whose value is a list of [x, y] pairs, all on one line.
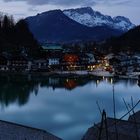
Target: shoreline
{"points": [[70, 73]]}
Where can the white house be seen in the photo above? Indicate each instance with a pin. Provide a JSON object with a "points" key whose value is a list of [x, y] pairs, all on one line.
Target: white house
{"points": [[53, 61]]}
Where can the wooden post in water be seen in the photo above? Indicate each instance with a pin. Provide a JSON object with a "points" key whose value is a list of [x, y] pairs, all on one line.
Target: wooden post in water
{"points": [[103, 122]]}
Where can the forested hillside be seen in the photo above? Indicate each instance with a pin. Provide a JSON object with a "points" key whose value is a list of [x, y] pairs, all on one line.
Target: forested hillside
{"points": [[127, 41], [15, 37]]}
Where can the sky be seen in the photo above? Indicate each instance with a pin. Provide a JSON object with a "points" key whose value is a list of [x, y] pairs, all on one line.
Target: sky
{"points": [[24, 8]]}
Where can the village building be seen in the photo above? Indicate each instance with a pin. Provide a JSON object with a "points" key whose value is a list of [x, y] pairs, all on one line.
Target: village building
{"points": [[53, 60], [124, 63], [70, 62], [4, 62], [40, 65], [20, 63], [50, 49], [54, 54], [87, 60]]}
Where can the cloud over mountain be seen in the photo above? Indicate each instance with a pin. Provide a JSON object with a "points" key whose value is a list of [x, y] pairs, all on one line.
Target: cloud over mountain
{"points": [[24, 8], [74, 2]]}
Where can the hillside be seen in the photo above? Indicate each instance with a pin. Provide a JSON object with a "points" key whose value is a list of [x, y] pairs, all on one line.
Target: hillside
{"points": [[127, 41]]}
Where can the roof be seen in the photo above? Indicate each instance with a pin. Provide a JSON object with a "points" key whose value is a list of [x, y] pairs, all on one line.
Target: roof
{"points": [[19, 58], [14, 131], [126, 129], [52, 47], [135, 116], [90, 55]]}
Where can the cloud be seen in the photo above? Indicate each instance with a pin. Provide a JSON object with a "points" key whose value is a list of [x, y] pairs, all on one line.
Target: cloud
{"points": [[72, 2], [55, 2], [24, 8]]}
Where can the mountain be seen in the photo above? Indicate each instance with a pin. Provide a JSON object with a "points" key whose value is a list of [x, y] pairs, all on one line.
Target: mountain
{"points": [[88, 17], [128, 41], [55, 27]]}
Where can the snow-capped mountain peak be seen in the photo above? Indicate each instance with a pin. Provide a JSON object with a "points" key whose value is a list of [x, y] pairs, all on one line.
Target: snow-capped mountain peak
{"points": [[88, 17], [123, 22]]}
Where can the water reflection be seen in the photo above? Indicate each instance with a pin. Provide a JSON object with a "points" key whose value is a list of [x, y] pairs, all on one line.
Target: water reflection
{"points": [[65, 106], [18, 88]]}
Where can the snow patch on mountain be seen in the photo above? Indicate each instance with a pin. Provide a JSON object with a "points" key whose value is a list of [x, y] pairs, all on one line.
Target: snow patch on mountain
{"points": [[88, 17]]}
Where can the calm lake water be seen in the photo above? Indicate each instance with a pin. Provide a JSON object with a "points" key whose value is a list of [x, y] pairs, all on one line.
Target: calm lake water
{"points": [[65, 107]]}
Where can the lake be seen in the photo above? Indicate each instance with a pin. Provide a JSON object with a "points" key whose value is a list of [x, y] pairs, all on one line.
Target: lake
{"points": [[64, 106]]}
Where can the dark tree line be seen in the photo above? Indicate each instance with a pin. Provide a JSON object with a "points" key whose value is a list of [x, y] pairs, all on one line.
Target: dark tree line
{"points": [[129, 41], [16, 38]]}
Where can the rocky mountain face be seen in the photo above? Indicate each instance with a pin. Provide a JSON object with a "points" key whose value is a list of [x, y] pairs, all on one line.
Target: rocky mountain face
{"points": [[88, 17]]}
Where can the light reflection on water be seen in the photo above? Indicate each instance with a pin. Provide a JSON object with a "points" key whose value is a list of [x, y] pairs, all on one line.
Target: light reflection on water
{"points": [[65, 107]]}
